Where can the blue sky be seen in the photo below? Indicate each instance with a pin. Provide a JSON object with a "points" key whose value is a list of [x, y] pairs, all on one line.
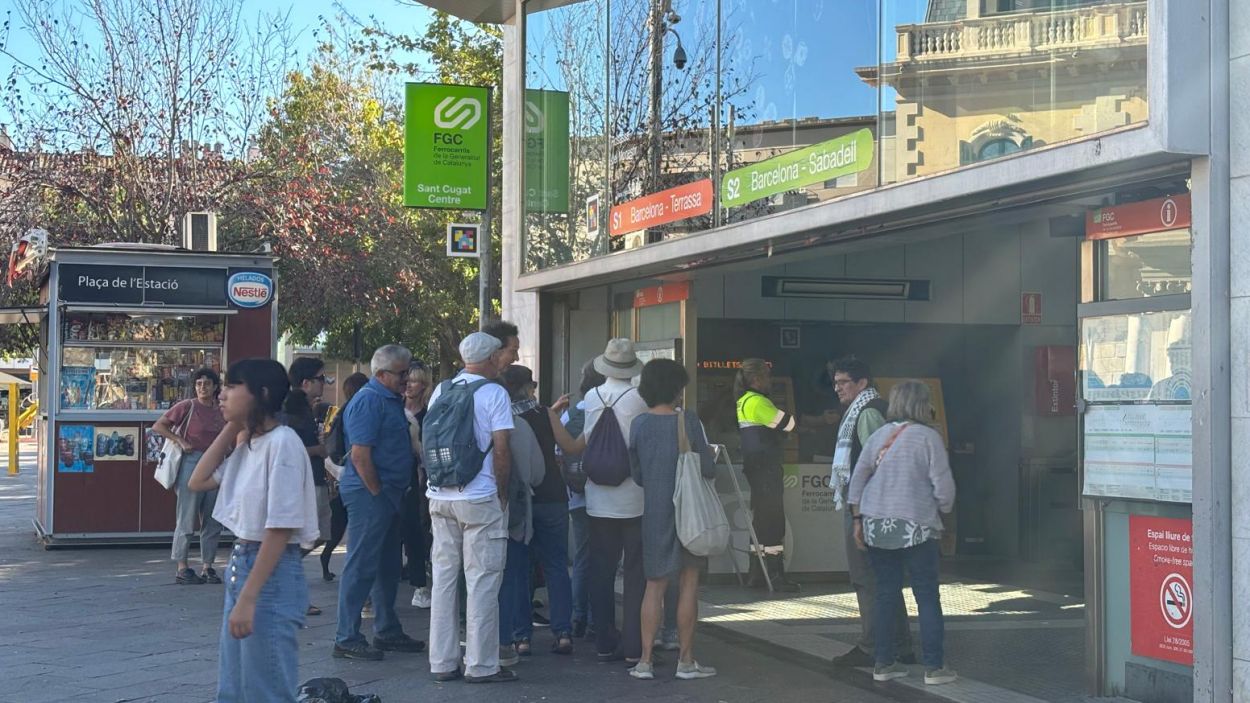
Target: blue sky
{"points": [[304, 21], [800, 55]]}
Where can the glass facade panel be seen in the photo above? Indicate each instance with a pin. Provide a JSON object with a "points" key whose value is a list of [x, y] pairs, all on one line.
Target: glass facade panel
{"points": [[1140, 357], [685, 115], [1147, 265], [959, 88], [566, 118], [800, 124]]}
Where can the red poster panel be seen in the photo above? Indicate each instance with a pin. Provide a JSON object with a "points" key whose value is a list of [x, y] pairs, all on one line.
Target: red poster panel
{"points": [[1158, 215], [659, 295], [1161, 566]]}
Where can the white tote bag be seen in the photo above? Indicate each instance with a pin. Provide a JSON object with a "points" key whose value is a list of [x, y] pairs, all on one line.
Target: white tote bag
{"points": [[171, 455], [701, 523]]}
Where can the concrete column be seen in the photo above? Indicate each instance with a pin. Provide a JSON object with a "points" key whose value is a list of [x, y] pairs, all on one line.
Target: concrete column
{"points": [[519, 308], [1238, 146]]}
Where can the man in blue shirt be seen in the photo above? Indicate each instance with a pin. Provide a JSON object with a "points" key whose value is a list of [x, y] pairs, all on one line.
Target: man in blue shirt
{"points": [[377, 472]]}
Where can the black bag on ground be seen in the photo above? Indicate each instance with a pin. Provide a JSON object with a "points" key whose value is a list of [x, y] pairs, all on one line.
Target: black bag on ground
{"points": [[326, 690]]}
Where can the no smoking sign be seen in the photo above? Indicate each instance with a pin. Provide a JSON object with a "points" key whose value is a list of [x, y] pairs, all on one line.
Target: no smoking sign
{"points": [[1176, 601]]}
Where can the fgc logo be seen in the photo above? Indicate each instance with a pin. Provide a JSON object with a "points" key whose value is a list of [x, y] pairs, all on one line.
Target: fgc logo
{"points": [[457, 113], [533, 118]]}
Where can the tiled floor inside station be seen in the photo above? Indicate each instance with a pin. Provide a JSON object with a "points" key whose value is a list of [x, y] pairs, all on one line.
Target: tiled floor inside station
{"points": [[1009, 644]]}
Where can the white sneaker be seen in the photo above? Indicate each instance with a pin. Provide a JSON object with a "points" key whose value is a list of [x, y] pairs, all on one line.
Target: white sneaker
{"points": [[421, 597], [643, 670], [937, 677], [694, 670]]}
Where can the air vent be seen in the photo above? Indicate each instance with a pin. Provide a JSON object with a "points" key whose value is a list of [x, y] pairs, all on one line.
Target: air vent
{"points": [[199, 231], [845, 288]]}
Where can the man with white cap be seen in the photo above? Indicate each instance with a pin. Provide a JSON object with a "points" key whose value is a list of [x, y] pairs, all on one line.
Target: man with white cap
{"points": [[615, 512], [470, 528]]}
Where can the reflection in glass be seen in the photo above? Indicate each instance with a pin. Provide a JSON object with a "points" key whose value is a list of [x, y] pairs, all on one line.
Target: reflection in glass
{"points": [[1148, 265], [935, 84], [1137, 357], [962, 85]]}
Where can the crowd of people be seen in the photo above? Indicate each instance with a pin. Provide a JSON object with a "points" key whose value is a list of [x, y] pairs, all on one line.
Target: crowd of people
{"points": [[474, 491]]}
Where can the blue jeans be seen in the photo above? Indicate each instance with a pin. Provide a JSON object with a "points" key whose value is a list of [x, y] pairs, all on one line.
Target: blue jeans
{"points": [[514, 594], [921, 563], [373, 565], [551, 545], [580, 526], [264, 666]]}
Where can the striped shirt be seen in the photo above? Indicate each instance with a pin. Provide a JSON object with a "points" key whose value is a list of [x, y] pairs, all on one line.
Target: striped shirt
{"points": [[913, 481]]}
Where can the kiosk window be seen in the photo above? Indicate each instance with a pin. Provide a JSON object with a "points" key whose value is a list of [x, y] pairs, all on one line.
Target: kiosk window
{"points": [[129, 378]]}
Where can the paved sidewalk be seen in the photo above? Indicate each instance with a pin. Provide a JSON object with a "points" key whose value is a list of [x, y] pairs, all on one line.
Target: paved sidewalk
{"points": [[109, 625]]}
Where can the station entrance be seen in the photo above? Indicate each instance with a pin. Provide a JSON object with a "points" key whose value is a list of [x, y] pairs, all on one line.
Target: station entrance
{"points": [[1022, 322]]}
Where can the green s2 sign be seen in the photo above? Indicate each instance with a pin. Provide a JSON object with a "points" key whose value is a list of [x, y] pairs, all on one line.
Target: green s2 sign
{"points": [[546, 151], [850, 153], [446, 146]]}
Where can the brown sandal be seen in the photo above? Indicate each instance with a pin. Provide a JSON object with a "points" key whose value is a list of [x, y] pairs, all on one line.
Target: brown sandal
{"points": [[562, 645], [313, 610]]}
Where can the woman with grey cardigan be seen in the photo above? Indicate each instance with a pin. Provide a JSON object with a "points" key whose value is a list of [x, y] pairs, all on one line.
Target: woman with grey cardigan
{"points": [[901, 486]]}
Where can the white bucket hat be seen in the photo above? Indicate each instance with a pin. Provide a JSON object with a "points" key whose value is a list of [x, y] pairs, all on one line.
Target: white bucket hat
{"points": [[618, 360]]}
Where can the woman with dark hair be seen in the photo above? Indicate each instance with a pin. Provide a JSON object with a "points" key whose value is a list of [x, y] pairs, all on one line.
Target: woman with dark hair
{"points": [[653, 451], [268, 501], [193, 424], [574, 421], [336, 448]]}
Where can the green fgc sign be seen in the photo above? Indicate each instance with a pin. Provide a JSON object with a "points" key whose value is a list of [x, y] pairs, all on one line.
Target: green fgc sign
{"points": [[825, 161], [546, 151], [446, 146]]}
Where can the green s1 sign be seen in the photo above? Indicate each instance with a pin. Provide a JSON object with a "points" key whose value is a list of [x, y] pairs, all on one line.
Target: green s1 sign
{"points": [[546, 151], [850, 153], [446, 146]]}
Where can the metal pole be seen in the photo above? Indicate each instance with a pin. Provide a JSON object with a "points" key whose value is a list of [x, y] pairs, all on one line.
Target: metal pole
{"points": [[657, 85], [13, 429], [483, 244], [758, 549]]}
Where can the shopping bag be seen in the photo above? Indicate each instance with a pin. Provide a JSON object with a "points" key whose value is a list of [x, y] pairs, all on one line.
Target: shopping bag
{"points": [[701, 523], [166, 472], [167, 468]]}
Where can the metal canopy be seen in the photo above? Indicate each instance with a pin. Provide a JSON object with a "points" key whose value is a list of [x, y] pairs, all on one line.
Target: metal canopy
{"points": [[23, 315], [491, 11], [11, 380]]}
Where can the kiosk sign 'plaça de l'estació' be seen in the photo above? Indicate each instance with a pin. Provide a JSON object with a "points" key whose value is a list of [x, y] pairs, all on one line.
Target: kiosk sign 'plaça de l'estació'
{"points": [[821, 162], [446, 146]]}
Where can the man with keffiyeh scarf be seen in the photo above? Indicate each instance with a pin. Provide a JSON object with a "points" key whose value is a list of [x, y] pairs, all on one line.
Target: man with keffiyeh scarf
{"points": [[865, 414]]}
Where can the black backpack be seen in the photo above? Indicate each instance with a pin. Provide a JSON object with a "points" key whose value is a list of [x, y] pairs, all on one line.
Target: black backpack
{"points": [[606, 459]]}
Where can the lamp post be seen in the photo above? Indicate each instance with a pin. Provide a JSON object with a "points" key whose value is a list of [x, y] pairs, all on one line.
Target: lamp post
{"points": [[662, 17]]}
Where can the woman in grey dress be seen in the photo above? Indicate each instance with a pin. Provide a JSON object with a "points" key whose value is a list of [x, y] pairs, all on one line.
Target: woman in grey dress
{"points": [[653, 454]]}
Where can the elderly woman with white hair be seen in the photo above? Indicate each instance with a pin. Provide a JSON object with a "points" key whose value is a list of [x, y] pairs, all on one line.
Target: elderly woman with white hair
{"points": [[901, 486]]}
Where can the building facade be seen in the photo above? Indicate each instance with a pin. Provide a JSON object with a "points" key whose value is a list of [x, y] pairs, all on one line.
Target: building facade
{"points": [[1034, 205]]}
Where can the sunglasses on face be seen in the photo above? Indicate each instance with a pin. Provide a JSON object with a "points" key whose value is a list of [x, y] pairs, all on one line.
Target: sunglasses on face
{"points": [[400, 374], [327, 380]]}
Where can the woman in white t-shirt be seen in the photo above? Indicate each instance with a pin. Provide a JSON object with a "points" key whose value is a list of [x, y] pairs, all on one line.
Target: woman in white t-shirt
{"points": [[267, 499]]}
